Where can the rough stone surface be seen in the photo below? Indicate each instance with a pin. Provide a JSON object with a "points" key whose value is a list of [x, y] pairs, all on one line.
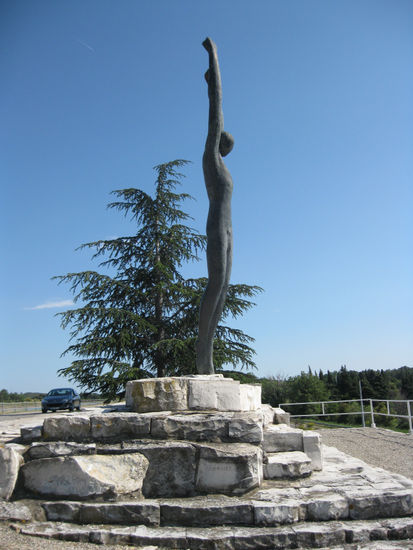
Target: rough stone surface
{"points": [[229, 468], [328, 535], [10, 462], [282, 438], [58, 448], [128, 513], [206, 512], [281, 417], [119, 426], [250, 396], [200, 392], [171, 470], [195, 427], [85, 476], [30, 433], [246, 427], [286, 511], [327, 506], [14, 511], [66, 428], [312, 448], [157, 394], [287, 465]]}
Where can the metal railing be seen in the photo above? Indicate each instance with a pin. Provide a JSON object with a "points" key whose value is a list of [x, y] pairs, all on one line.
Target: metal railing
{"points": [[18, 407], [363, 411]]}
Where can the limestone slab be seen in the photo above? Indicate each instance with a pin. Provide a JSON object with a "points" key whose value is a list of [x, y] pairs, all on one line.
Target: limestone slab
{"points": [[30, 433], [206, 512], [246, 427], [119, 426], [157, 394], [14, 511], [142, 512], [52, 449], [312, 448], [229, 468], [10, 462], [282, 438], [85, 476], [288, 465], [171, 469], [66, 428], [194, 427], [278, 513], [281, 416]]}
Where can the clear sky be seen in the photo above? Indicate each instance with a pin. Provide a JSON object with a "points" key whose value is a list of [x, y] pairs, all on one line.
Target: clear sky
{"points": [[319, 98]]}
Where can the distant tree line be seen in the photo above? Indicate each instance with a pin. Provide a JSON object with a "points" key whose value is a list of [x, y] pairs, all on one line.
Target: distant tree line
{"points": [[344, 384]]}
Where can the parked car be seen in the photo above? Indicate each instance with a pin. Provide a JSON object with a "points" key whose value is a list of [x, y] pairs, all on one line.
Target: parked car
{"points": [[61, 398]]}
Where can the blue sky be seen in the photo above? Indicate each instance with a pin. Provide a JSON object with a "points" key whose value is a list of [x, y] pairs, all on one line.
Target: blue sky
{"points": [[319, 98]]}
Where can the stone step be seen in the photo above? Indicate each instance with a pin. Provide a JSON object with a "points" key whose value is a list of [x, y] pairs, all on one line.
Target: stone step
{"points": [[288, 465], [302, 535], [266, 508]]}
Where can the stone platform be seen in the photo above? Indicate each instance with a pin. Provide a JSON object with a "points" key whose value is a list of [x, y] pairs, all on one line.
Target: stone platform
{"points": [[198, 392], [347, 505], [196, 478]]}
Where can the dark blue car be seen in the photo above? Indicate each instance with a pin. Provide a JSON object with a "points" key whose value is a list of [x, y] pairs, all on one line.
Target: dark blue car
{"points": [[61, 398]]}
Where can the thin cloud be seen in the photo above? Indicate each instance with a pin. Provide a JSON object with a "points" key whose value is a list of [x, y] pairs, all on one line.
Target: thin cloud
{"points": [[51, 305], [85, 44]]}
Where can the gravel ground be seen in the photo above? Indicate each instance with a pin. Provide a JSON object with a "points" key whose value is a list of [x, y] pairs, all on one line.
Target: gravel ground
{"points": [[392, 451]]}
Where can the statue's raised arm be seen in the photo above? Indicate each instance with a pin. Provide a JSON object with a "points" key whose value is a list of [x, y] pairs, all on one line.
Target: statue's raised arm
{"points": [[218, 182]]}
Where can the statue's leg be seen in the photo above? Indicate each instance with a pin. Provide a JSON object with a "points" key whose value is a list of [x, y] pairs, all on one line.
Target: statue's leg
{"points": [[216, 315], [216, 257]]}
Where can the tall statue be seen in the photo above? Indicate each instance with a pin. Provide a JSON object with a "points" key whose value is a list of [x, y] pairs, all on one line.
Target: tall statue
{"points": [[219, 185]]}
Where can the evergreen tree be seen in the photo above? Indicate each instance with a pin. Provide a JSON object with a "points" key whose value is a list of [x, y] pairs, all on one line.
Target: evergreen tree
{"points": [[139, 319]]}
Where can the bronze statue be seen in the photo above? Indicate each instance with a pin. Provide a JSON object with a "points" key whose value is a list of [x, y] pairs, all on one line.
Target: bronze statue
{"points": [[219, 185]]}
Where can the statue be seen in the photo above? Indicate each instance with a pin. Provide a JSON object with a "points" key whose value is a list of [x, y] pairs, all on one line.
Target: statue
{"points": [[219, 185]]}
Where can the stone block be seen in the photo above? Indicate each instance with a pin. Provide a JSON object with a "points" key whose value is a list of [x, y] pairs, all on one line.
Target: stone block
{"points": [[52, 449], [206, 512], [119, 426], [81, 477], [193, 427], [124, 513], [171, 471], [246, 427], [215, 394], [10, 462], [269, 514], [327, 506], [312, 448], [229, 468], [250, 396], [157, 394], [28, 434], [288, 465], [375, 504], [268, 414], [14, 511], [282, 438], [66, 428], [281, 417]]}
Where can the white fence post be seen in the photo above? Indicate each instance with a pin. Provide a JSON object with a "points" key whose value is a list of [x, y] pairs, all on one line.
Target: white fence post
{"points": [[322, 408], [373, 424], [410, 417], [363, 420]]}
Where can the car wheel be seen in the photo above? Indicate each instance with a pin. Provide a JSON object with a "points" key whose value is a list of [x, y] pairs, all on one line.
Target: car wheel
{"points": [[44, 411], [78, 407], [71, 408]]}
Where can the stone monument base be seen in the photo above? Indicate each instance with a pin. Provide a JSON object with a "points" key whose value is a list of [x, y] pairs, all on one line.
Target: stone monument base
{"points": [[185, 393]]}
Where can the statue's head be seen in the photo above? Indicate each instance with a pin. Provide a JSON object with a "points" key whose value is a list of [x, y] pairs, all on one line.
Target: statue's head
{"points": [[226, 143]]}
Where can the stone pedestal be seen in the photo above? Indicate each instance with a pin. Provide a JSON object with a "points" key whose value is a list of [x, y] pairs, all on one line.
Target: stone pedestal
{"points": [[199, 392]]}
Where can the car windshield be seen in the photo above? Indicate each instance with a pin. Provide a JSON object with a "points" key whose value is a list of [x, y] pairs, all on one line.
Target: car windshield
{"points": [[60, 392]]}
